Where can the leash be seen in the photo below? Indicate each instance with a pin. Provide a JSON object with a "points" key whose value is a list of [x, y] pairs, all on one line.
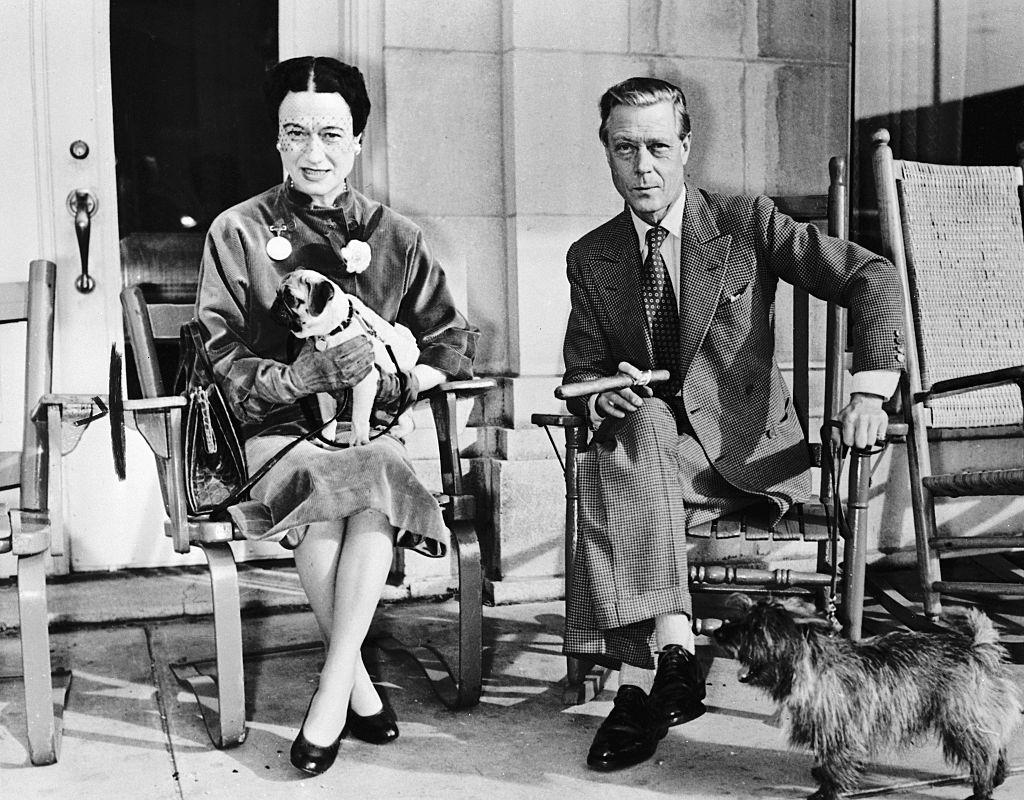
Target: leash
{"points": [[219, 511], [402, 392], [835, 516]]}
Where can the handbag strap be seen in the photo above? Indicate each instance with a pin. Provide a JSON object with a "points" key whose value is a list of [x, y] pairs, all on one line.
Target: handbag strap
{"points": [[219, 511], [194, 355]]}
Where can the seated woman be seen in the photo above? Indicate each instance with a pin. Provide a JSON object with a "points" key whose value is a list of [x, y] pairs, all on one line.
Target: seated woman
{"points": [[341, 510]]}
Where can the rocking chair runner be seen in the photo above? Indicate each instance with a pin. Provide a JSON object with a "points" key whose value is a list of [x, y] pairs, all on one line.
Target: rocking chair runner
{"points": [[225, 715], [807, 521], [955, 234]]}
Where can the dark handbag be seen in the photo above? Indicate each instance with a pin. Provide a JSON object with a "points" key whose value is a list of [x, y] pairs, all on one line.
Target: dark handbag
{"points": [[215, 468]]}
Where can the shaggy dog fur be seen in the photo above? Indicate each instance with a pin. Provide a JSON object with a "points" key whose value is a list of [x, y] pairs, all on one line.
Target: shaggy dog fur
{"points": [[850, 700]]}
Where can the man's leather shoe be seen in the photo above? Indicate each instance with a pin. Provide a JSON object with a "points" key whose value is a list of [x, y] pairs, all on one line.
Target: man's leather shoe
{"points": [[678, 687], [379, 728], [628, 735]]}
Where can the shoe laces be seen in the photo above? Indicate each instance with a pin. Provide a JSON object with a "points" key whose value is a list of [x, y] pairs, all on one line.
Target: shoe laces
{"points": [[627, 708], [675, 661]]}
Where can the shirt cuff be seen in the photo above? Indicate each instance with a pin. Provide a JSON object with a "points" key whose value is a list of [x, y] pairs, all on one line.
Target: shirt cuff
{"points": [[595, 418], [880, 382]]}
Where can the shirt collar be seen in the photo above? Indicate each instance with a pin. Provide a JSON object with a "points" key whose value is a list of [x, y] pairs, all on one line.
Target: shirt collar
{"points": [[673, 221]]}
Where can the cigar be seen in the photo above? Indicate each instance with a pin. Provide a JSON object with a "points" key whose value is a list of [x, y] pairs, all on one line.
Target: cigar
{"points": [[620, 381]]}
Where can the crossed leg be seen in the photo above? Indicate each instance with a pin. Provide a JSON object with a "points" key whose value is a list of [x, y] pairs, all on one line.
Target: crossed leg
{"points": [[343, 574]]}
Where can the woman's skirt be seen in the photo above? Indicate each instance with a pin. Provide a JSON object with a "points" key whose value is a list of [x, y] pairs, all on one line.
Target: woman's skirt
{"points": [[313, 484]]}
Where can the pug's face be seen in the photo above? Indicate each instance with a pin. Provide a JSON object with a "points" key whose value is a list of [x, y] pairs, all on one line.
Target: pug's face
{"points": [[305, 303]]}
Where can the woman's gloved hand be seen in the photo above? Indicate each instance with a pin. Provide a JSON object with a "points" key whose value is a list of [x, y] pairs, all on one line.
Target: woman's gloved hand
{"points": [[335, 368], [396, 391]]}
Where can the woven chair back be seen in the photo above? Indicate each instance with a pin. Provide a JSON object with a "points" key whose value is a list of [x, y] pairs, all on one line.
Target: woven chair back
{"points": [[965, 260]]}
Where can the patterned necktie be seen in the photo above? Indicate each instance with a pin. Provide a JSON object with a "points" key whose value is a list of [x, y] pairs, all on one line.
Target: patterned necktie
{"points": [[662, 311]]}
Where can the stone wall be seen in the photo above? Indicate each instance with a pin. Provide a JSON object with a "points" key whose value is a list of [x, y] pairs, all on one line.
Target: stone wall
{"points": [[492, 147]]}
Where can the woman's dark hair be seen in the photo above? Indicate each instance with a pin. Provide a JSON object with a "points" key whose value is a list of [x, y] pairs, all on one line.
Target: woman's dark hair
{"points": [[318, 74]]}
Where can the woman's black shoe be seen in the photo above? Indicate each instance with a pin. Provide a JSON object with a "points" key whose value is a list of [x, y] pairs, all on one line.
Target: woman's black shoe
{"points": [[311, 758], [379, 728]]}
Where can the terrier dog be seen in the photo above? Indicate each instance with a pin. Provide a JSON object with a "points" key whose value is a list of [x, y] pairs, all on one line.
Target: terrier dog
{"points": [[849, 700], [313, 306]]}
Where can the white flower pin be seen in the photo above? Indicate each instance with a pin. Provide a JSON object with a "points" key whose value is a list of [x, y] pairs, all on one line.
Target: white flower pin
{"points": [[357, 255]]}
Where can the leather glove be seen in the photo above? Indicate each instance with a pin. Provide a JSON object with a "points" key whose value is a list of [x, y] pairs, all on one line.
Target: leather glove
{"points": [[335, 368], [396, 391]]}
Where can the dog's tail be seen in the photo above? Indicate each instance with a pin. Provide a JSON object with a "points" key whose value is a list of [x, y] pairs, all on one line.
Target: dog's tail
{"points": [[978, 629]]}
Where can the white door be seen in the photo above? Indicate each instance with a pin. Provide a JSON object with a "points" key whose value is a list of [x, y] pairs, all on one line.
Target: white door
{"points": [[57, 62], [63, 61]]}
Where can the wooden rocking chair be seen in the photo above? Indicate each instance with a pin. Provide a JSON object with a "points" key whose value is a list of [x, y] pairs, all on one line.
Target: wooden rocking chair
{"points": [[956, 236]]}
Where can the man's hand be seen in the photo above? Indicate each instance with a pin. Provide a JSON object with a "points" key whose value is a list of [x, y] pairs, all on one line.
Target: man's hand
{"points": [[864, 422], [619, 402]]}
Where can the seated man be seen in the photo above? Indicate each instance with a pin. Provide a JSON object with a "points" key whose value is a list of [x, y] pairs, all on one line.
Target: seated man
{"points": [[720, 434]]}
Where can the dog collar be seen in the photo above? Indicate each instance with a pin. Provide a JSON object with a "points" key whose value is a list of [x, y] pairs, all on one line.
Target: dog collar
{"points": [[321, 341], [348, 319]]}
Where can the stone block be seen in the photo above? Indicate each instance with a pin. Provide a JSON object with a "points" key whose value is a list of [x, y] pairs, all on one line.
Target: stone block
{"points": [[529, 518], [443, 24], [555, 163], [516, 399], [524, 444], [811, 30], [444, 141], [524, 590], [689, 27], [581, 25], [554, 99], [714, 97], [541, 290], [472, 251], [797, 117]]}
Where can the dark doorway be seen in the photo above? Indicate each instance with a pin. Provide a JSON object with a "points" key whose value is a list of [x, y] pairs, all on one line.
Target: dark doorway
{"points": [[191, 135]]}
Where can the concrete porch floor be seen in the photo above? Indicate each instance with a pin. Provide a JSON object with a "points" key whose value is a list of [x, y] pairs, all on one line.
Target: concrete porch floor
{"points": [[131, 731]]}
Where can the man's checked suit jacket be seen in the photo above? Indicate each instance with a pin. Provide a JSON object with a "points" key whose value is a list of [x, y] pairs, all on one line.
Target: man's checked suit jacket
{"points": [[734, 251]]}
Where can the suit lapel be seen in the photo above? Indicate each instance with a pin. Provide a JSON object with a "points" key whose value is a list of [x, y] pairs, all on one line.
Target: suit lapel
{"points": [[705, 251], [617, 275]]}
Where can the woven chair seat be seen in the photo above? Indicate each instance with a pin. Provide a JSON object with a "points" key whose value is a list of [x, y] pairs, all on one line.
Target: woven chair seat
{"points": [[806, 521], [977, 482]]}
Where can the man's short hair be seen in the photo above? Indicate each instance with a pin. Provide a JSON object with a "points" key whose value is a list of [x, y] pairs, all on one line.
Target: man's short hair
{"points": [[640, 92]]}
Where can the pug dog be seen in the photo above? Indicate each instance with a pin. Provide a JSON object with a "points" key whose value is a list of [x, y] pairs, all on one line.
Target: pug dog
{"points": [[313, 306]]}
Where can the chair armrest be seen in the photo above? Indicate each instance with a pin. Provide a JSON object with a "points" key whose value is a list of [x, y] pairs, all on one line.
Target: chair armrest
{"points": [[559, 420], [970, 383], [467, 388], [155, 403], [80, 406], [77, 406], [442, 405]]}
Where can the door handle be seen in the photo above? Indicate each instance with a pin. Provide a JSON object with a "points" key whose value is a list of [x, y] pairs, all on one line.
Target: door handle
{"points": [[82, 205]]}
